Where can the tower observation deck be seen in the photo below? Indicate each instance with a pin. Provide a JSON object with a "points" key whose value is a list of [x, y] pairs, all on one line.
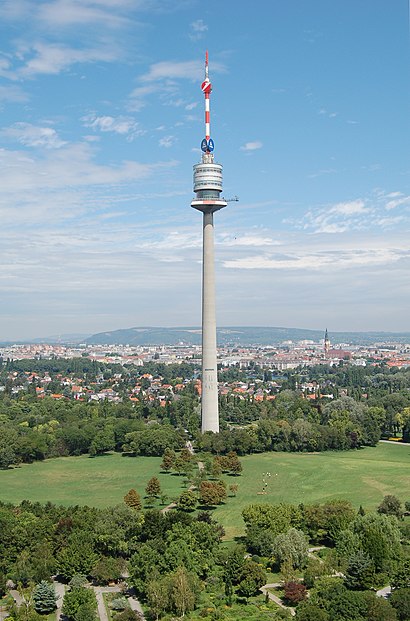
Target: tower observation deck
{"points": [[208, 188]]}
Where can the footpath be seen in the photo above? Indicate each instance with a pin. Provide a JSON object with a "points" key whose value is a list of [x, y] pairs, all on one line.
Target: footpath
{"points": [[60, 589]]}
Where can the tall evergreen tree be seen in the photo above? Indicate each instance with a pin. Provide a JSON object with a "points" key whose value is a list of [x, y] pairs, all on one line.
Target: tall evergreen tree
{"points": [[44, 597]]}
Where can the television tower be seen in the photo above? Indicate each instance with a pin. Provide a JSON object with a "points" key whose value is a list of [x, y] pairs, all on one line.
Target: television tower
{"points": [[208, 187]]}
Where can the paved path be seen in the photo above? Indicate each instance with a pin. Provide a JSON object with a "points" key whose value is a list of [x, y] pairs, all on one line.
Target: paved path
{"points": [[16, 596], [60, 592], [384, 592], [135, 605], [274, 598], [102, 611]]}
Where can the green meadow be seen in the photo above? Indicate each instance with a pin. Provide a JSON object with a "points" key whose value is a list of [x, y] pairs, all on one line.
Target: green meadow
{"points": [[98, 481], [362, 476]]}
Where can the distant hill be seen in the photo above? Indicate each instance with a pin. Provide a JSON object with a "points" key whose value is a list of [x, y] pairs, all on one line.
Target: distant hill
{"points": [[239, 336]]}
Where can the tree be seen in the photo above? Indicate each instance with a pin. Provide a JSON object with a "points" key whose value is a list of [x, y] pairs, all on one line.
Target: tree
{"points": [[158, 596], [44, 597], [291, 546], [78, 557], [119, 603], [80, 605], [143, 565], [340, 603], [379, 536], [347, 543], [7, 456], [212, 493], [234, 564], [391, 505], [184, 462], [187, 501], [233, 489], [184, 589], [311, 612], [359, 573], [259, 541], [103, 441], [378, 609], [252, 577], [400, 600], [400, 576], [133, 500], [153, 488], [168, 460], [324, 522], [108, 569], [294, 592], [276, 518]]}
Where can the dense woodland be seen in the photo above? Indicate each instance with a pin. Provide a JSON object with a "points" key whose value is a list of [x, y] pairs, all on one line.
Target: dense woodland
{"points": [[176, 561]]}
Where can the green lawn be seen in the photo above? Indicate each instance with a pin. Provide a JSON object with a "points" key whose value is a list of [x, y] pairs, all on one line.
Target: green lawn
{"points": [[99, 482], [363, 477]]}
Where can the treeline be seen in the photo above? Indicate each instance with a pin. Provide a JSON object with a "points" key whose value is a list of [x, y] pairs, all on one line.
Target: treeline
{"points": [[291, 423], [37, 429]]}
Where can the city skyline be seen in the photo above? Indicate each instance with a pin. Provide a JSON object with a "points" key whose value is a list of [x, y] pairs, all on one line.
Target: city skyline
{"points": [[100, 119]]}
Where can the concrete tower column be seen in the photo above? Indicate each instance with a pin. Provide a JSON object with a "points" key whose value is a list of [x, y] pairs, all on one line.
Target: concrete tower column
{"points": [[210, 415]]}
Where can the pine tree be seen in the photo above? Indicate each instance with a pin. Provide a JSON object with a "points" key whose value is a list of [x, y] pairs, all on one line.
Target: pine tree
{"points": [[44, 597]]}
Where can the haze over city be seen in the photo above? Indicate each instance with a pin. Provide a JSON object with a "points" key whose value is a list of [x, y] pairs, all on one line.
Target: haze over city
{"points": [[102, 120]]}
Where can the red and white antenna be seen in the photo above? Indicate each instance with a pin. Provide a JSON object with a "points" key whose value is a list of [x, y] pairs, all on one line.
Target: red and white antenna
{"points": [[207, 144]]}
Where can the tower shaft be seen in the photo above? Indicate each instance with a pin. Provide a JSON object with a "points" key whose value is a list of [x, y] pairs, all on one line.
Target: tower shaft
{"points": [[210, 413]]}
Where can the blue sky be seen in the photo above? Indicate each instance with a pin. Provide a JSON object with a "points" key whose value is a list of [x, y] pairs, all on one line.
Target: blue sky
{"points": [[101, 123]]}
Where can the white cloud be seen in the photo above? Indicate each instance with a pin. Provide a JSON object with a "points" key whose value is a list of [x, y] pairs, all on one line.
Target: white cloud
{"points": [[337, 260], [250, 240], [252, 146], [189, 69], [25, 179], [139, 95], [33, 136], [123, 125], [198, 30], [338, 218], [66, 13], [324, 112], [53, 58], [13, 94], [403, 200], [171, 70], [167, 142], [348, 208]]}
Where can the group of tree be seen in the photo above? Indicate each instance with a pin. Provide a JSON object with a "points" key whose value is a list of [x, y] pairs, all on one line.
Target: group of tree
{"points": [[169, 557]]}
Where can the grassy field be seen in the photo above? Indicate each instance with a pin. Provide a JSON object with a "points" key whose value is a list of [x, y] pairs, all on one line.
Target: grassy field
{"points": [[363, 477], [98, 482]]}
